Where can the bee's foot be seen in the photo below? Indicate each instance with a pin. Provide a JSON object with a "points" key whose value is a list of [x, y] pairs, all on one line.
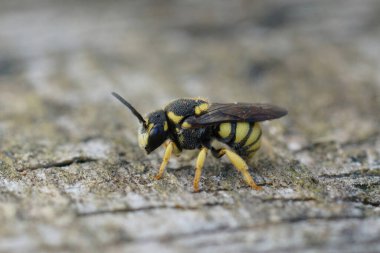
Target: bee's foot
{"points": [[196, 189], [256, 187]]}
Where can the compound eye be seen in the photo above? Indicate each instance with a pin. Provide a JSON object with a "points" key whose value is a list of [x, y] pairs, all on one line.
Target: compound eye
{"points": [[155, 131]]}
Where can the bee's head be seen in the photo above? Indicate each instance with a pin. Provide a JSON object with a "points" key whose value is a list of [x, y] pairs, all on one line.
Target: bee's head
{"points": [[153, 131]]}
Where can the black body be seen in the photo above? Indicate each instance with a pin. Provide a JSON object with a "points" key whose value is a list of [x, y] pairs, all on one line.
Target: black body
{"points": [[193, 123]]}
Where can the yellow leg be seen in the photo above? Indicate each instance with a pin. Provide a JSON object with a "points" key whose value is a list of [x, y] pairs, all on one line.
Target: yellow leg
{"points": [[198, 168], [176, 150], [168, 153], [241, 166]]}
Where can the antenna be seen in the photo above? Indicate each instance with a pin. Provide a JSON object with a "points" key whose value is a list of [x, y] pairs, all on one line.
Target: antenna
{"points": [[134, 111]]}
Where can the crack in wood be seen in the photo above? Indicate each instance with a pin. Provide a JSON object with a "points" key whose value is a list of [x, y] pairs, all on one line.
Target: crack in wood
{"points": [[229, 229], [306, 199], [182, 207], [64, 163], [362, 201], [149, 208], [292, 220], [355, 173], [366, 185]]}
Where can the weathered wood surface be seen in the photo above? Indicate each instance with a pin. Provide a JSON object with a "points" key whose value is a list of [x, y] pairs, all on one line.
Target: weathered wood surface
{"points": [[72, 178]]}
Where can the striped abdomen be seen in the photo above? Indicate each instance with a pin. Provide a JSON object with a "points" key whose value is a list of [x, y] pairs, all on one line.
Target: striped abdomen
{"points": [[243, 137]]}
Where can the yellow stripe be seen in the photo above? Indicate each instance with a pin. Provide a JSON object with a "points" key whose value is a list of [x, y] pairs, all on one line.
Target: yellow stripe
{"points": [[143, 140], [186, 125], [150, 126], [251, 155], [224, 130], [242, 129], [254, 135], [201, 108], [174, 117], [255, 147]]}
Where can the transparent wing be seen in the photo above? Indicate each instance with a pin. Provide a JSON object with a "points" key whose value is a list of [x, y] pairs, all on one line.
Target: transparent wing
{"points": [[233, 112]]}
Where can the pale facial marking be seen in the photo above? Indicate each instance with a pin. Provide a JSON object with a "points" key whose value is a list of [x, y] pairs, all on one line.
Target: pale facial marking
{"points": [[142, 139]]}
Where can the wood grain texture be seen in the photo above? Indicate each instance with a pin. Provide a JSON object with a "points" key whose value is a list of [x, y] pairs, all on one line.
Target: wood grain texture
{"points": [[72, 178]]}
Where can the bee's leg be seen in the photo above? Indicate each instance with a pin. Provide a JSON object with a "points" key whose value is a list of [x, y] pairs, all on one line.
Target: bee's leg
{"points": [[168, 153], [216, 152], [198, 168], [176, 150], [241, 166]]}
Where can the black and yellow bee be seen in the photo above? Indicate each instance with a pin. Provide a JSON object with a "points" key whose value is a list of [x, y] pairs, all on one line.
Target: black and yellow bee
{"points": [[193, 123]]}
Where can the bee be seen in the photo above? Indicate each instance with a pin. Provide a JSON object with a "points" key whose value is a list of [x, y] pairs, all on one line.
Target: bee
{"points": [[194, 123]]}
